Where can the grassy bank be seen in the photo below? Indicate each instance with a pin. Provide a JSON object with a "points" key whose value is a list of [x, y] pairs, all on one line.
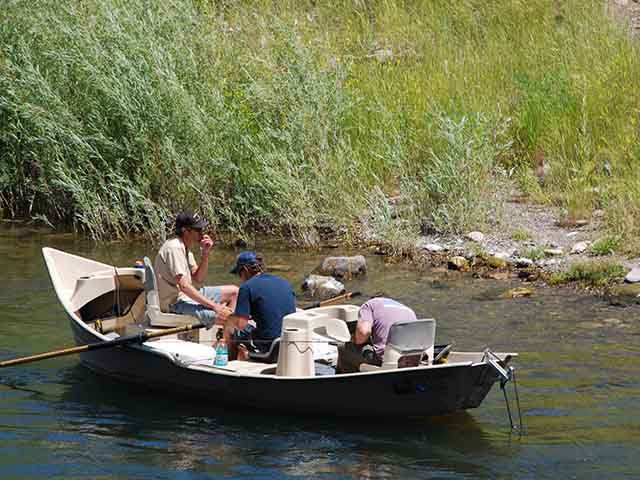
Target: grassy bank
{"points": [[293, 116]]}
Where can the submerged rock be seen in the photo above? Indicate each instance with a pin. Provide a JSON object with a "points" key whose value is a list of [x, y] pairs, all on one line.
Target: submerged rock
{"points": [[498, 275], [344, 267], [624, 295], [518, 292]]}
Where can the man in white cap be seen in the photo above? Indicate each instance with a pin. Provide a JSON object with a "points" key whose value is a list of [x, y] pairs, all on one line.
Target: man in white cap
{"points": [[178, 273]]}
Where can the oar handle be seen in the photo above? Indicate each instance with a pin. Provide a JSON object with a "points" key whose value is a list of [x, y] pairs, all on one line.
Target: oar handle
{"points": [[138, 338], [334, 300]]}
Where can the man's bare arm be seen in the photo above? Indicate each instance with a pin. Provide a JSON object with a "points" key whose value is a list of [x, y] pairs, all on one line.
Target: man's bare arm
{"points": [[237, 321], [222, 311], [200, 274], [362, 333]]}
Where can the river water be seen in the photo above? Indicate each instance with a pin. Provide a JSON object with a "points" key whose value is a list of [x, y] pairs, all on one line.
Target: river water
{"points": [[578, 378]]}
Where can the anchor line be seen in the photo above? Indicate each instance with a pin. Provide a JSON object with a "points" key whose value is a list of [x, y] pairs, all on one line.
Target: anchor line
{"points": [[515, 389]]}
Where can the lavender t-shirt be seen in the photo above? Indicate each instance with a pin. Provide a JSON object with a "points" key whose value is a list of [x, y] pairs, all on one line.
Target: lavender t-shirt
{"points": [[382, 313]]}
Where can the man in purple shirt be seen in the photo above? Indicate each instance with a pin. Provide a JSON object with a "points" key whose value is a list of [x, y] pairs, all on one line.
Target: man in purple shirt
{"points": [[375, 318]]}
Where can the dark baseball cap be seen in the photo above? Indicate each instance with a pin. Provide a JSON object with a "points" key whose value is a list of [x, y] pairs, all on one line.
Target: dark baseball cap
{"points": [[190, 220], [245, 258]]}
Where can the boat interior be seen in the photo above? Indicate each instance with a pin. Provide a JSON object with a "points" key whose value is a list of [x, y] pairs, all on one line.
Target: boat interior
{"points": [[116, 302]]}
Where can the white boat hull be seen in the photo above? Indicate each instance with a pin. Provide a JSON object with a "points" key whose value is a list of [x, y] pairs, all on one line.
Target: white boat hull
{"points": [[407, 392]]}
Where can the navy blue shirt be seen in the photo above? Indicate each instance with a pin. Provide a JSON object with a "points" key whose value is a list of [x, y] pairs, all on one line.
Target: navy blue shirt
{"points": [[266, 299]]}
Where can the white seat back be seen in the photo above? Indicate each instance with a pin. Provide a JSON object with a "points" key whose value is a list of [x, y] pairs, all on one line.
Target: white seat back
{"points": [[409, 338], [158, 318], [151, 287]]}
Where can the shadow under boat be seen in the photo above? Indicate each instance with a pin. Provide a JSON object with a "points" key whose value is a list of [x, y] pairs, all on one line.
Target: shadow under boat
{"points": [[105, 407]]}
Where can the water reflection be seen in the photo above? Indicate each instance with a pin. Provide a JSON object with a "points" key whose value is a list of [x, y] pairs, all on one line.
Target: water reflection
{"points": [[174, 433]]}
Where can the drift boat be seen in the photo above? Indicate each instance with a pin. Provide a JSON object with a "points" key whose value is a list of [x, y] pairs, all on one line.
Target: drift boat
{"points": [[104, 303]]}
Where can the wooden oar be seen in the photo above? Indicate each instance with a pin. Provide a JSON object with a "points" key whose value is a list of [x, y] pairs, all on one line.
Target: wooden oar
{"points": [[332, 301], [138, 338]]}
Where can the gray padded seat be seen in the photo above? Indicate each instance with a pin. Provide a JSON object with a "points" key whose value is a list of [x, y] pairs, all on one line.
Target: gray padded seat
{"points": [[407, 339]]}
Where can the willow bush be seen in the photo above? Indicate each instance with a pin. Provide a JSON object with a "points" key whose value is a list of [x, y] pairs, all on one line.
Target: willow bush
{"points": [[285, 116]]}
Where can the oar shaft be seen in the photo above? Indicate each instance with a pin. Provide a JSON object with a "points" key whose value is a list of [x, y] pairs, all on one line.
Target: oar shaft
{"points": [[139, 338], [334, 300], [44, 356]]}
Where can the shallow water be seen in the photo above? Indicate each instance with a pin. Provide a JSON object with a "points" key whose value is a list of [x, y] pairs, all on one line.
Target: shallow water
{"points": [[578, 376]]}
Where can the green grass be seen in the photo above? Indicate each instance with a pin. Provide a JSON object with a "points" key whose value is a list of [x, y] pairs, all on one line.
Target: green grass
{"points": [[520, 235], [606, 245], [285, 116], [534, 254], [593, 274]]}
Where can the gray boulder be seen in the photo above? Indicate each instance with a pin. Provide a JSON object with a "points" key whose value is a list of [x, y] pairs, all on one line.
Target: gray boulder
{"points": [[344, 267]]}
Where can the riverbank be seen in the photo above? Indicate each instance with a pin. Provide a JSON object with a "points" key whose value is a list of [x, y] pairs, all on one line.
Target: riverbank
{"points": [[294, 118], [533, 242]]}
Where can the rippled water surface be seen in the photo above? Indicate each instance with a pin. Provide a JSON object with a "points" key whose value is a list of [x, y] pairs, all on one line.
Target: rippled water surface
{"points": [[578, 375]]}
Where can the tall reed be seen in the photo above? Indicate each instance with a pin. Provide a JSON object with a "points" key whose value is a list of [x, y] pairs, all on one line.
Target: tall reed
{"points": [[284, 116]]}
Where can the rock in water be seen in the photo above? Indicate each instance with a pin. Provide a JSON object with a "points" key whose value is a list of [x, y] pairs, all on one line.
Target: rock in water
{"points": [[344, 267], [322, 287], [517, 293], [624, 295], [633, 276], [459, 263], [496, 262]]}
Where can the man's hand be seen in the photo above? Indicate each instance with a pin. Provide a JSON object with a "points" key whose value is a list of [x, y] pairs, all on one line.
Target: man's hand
{"points": [[222, 312], [206, 243]]}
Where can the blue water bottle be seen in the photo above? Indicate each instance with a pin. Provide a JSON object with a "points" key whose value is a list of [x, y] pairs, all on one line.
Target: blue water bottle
{"points": [[222, 354]]}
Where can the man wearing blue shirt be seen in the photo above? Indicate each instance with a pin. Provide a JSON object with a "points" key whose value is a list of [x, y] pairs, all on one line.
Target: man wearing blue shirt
{"points": [[263, 298]]}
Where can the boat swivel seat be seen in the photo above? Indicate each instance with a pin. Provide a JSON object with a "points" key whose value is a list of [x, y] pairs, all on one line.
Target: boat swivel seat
{"points": [[408, 345], [156, 317], [296, 349]]}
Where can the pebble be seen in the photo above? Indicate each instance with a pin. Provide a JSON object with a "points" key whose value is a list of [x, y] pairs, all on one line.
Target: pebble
{"points": [[553, 251], [475, 236], [433, 247], [590, 325], [580, 247], [611, 321], [523, 262], [458, 263]]}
